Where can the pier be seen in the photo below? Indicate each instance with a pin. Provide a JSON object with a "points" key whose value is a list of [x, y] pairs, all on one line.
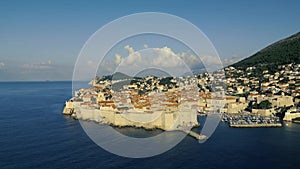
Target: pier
{"points": [[196, 135], [255, 125]]}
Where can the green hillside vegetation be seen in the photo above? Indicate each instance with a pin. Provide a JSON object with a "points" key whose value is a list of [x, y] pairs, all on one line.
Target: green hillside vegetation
{"points": [[263, 105], [284, 51]]}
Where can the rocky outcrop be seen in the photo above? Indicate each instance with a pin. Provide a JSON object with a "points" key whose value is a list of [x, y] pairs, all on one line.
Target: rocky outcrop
{"points": [[69, 108]]}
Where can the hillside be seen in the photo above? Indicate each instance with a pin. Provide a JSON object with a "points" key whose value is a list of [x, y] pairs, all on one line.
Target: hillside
{"points": [[281, 52], [117, 76]]}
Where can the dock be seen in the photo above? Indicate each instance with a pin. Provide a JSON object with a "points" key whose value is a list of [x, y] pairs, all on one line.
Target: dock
{"points": [[255, 125], [196, 135]]}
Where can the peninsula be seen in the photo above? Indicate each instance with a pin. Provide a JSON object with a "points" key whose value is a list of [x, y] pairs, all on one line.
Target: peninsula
{"points": [[256, 94], [149, 102]]}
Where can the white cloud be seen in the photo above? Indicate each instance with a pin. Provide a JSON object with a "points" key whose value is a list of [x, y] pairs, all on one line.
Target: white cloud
{"points": [[163, 58], [166, 58], [232, 60], [210, 60], [190, 59], [118, 59], [2, 65], [90, 62], [38, 66], [133, 57], [129, 49]]}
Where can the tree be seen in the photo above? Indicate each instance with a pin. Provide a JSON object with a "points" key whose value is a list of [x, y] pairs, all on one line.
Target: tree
{"points": [[266, 104]]}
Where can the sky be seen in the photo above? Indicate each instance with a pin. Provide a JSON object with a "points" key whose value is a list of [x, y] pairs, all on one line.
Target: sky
{"points": [[41, 40]]}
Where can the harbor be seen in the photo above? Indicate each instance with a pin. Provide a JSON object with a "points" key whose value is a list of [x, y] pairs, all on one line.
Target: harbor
{"points": [[247, 120]]}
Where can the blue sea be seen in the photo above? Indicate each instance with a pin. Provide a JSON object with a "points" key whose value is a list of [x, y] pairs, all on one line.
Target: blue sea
{"points": [[34, 134]]}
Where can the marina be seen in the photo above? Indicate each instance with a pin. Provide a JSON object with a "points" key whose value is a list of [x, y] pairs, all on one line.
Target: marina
{"points": [[247, 120]]}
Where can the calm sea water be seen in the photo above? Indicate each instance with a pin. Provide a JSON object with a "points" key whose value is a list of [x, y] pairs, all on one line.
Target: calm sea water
{"points": [[34, 134]]}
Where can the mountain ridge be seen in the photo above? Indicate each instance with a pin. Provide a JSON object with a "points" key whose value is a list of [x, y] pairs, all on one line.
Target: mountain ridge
{"points": [[284, 51]]}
